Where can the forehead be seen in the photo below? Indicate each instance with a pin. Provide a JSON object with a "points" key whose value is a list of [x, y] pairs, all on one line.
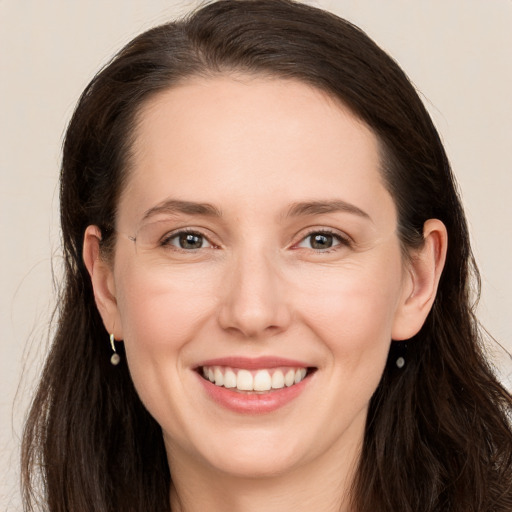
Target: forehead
{"points": [[250, 141]]}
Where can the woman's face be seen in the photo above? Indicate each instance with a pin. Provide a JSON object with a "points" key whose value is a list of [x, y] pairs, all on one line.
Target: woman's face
{"points": [[265, 248]]}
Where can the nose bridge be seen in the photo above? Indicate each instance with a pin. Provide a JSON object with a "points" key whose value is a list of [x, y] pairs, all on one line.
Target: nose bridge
{"points": [[254, 302]]}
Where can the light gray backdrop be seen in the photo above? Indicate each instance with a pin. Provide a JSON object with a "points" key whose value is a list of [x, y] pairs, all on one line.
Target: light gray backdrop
{"points": [[457, 52]]}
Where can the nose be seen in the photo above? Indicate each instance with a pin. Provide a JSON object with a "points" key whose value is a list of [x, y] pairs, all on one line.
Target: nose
{"points": [[254, 301]]}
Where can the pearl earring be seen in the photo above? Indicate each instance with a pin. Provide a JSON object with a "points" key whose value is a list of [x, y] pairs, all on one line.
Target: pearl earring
{"points": [[115, 356]]}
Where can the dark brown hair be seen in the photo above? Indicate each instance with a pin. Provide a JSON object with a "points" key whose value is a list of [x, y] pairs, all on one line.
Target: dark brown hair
{"points": [[438, 436]]}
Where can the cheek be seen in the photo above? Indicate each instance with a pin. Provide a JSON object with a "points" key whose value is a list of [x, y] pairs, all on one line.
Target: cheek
{"points": [[160, 314], [159, 307], [353, 309]]}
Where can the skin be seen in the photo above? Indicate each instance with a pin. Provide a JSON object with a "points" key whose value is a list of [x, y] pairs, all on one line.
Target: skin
{"points": [[254, 148]]}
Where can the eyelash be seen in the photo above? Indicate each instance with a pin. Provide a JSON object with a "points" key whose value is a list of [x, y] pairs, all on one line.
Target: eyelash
{"points": [[166, 240], [343, 241]]}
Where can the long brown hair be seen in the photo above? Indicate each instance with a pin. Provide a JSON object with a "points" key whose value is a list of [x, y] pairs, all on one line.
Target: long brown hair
{"points": [[438, 436]]}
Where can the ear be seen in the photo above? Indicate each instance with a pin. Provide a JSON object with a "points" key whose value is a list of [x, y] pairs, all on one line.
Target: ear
{"points": [[421, 281], [102, 279]]}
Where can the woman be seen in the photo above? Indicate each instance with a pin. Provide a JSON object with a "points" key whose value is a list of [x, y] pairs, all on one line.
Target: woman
{"points": [[267, 299]]}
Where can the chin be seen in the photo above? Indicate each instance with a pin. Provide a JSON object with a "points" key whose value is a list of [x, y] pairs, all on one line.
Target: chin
{"points": [[250, 465], [239, 455]]}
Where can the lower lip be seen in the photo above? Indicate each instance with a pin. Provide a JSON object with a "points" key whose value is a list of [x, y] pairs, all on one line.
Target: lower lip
{"points": [[253, 403]]}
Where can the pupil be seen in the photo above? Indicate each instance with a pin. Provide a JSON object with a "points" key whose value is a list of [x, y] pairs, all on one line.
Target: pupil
{"points": [[321, 241], [191, 241]]}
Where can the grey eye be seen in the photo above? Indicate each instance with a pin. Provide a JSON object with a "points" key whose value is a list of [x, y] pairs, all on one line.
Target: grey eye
{"points": [[321, 241], [189, 241]]}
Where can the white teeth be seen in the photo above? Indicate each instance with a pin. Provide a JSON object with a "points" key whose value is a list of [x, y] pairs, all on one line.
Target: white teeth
{"points": [[230, 379], [289, 378], [299, 375], [278, 380], [219, 378], [244, 381], [262, 381]]}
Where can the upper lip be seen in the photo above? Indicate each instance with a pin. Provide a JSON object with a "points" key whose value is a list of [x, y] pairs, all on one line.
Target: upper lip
{"points": [[256, 363]]}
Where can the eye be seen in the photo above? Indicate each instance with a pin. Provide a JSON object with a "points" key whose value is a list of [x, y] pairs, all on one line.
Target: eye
{"points": [[187, 240], [322, 241]]}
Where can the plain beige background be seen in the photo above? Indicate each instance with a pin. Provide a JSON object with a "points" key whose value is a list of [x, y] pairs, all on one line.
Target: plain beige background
{"points": [[457, 52]]}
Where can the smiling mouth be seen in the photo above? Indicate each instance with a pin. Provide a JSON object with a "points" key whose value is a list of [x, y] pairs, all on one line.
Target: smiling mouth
{"points": [[254, 381]]}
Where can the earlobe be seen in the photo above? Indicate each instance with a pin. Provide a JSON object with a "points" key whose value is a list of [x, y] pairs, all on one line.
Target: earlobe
{"points": [[102, 279], [424, 272]]}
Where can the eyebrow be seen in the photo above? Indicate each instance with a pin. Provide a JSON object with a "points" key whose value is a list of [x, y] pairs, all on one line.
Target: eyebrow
{"points": [[305, 208], [322, 207], [185, 207]]}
